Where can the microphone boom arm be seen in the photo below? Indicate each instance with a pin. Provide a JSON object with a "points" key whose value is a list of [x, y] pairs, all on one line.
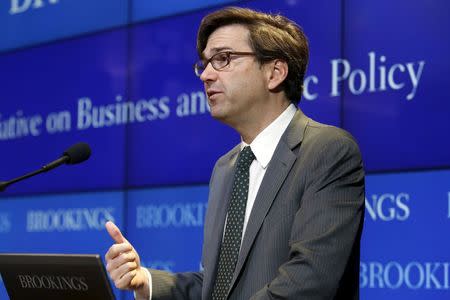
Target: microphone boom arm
{"points": [[74, 155], [46, 168]]}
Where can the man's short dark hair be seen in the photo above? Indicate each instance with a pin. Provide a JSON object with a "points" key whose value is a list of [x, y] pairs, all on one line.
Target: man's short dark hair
{"points": [[271, 37]]}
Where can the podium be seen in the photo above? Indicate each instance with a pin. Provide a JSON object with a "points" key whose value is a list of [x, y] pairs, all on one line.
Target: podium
{"points": [[55, 276]]}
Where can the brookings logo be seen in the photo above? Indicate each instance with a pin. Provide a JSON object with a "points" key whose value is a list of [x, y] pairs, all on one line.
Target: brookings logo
{"points": [[5, 223], [49, 282], [175, 215], [76, 219], [448, 215], [388, 207], [21, 6], [412, 275]]}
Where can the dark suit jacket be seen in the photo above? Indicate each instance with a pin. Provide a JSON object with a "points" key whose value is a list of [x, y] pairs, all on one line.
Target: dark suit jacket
{"points": [[303, 236]]}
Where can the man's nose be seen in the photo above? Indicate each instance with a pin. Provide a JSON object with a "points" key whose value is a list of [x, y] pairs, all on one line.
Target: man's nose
{"points": [[208, 74]]}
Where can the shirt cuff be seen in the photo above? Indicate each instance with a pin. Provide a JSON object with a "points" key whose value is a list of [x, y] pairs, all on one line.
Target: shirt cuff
{"points": [[149, 284]]}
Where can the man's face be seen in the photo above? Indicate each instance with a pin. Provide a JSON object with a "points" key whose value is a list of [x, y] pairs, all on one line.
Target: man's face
{"points": [[235, 93]]}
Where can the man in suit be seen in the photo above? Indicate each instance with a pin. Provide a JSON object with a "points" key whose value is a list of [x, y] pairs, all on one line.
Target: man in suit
{"points": [[285, 208]]}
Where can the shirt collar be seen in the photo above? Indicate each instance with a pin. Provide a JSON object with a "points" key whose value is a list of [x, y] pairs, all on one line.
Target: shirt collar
{"points": [[265, 143]]}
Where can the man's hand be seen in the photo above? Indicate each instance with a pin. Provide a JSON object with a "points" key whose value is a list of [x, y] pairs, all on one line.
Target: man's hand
{"points": [[123, 264]]}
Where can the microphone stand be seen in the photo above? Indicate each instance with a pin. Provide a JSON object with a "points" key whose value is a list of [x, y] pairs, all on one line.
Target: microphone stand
{"points": [[46, 168]]}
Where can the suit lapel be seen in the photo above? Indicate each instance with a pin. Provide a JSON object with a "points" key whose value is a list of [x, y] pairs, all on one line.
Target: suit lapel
{"points": [[277, 171]]}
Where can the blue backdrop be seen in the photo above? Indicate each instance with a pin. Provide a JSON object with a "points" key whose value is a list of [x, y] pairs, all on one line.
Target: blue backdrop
{"points": [[118, 75]]}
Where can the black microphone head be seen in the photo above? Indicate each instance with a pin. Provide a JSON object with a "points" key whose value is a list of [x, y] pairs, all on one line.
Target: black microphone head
{"points": [[77, 153]]}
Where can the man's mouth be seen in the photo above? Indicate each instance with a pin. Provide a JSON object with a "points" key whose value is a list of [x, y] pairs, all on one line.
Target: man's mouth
{"points": [[211, 93]]}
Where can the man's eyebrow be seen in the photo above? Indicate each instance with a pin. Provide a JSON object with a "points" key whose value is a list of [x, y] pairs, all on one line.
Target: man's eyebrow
{"points": [[220, 49], [216, 50]]}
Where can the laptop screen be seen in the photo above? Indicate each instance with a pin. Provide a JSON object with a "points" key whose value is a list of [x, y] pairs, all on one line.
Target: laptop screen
{"points": [[55, 276]]}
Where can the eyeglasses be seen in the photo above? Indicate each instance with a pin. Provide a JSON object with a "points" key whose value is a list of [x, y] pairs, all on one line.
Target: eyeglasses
{"points": [[218, 61]]}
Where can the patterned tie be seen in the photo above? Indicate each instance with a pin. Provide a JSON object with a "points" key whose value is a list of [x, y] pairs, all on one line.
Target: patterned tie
{"points": [[231, 242]]}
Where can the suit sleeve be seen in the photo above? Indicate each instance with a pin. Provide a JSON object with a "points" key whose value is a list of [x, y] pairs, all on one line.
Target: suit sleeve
{"points": [[166, 285], [327, 227]]}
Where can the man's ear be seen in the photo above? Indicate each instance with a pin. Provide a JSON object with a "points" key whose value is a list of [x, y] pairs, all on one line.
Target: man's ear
{"points": [[277, 73]]}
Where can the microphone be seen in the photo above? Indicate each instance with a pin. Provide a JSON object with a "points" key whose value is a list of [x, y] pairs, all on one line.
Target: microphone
{"points": [[74, 155]]}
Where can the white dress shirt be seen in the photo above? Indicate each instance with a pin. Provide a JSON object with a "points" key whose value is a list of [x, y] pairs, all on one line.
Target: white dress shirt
{"points": [[263, 147]]}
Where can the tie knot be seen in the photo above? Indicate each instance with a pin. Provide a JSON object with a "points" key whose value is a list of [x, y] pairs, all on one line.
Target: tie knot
{"points": [[246, 157]]}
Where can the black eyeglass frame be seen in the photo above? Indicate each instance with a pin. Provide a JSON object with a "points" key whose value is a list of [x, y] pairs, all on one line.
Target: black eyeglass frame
{"points": [[200, 66]]}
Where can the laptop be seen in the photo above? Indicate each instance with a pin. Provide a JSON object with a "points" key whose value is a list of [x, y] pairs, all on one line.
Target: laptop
{"points": [[55, 276]]}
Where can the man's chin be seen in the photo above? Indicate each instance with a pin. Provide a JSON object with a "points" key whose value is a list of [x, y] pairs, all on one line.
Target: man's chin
{"points": [[219, 115], [216, 113]]}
